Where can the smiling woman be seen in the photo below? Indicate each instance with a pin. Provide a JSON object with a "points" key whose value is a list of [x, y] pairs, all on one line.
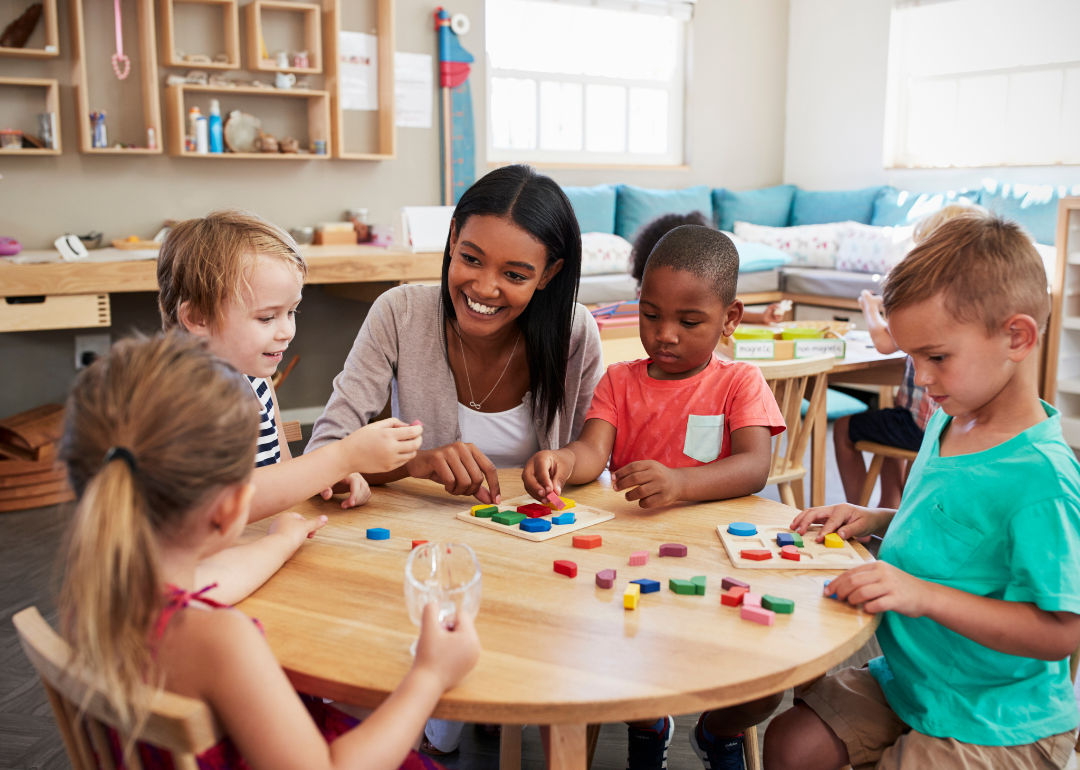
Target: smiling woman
{"points": [[499, 362]]}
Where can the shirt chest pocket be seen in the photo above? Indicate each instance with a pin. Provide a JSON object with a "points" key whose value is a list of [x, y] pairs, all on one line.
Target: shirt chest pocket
{"points": [[704, 436], [936, 545]]}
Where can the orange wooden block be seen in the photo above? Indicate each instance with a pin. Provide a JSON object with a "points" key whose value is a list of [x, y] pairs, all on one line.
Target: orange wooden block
{"points": [[734, 597], [792, 555], [588, 541], [756, 554], [418, 542]]}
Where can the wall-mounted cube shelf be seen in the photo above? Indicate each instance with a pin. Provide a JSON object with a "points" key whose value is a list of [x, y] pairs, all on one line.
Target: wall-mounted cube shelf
{"points": [[312, 19], [52, 104], [230, 30], [51, 46]]}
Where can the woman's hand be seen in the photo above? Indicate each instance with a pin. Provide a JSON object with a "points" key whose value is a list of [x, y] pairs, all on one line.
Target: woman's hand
{"points": [[295, 527], [880, 587], [461, 468], [653, 484], [359, 492], [547, 471], [845, 519], [447, 653]]}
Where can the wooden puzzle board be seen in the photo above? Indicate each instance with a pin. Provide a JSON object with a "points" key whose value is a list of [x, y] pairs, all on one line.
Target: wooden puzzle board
{"points": [[585, 516], [814, 555]]}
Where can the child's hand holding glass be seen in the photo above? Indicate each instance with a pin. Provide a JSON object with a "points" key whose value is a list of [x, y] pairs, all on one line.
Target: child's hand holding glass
{"points": [[448, 654]]}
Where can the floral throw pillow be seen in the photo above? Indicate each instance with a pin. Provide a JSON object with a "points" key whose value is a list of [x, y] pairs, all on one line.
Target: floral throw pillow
{"points": [[809, 245], [869, 249], [604, 254]]}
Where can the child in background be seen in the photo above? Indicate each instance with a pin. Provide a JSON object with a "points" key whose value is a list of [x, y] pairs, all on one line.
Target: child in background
{"points": [[681, 424], [901, 426], [154, 503], [651, 233], [978, 577]]}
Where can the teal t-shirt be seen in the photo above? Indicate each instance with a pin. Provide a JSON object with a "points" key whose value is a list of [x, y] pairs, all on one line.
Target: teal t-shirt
{"points": [[1004, 523]]}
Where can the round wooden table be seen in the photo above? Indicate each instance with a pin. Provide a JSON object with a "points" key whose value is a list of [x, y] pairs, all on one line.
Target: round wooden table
{"points": [[556, 651]]}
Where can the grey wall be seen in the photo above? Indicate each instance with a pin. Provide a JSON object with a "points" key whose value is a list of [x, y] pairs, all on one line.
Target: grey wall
{"points": [[735, 114]]}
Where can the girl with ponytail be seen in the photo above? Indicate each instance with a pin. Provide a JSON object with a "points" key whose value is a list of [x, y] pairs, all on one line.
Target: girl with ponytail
{"points": [[160, 447]]}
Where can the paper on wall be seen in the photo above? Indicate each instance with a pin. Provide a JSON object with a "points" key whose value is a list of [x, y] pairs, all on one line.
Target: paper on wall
{"points": [[358, 70], [426, 227], [413, 89]]}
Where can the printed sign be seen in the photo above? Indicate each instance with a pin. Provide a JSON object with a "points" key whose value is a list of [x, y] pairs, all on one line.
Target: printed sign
{"points": [[810, 348], [755, 349]]}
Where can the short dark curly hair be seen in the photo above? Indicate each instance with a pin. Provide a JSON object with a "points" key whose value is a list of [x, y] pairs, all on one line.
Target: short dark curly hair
{"points": [[656, 229], [702, 251]]}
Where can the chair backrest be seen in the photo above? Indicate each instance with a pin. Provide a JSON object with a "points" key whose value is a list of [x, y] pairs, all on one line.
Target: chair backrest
{"points": [[788, 381], [182, 726]]}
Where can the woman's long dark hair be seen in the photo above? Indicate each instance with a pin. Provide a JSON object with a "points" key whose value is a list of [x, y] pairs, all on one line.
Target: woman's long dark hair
{"points": [[536, 204]]}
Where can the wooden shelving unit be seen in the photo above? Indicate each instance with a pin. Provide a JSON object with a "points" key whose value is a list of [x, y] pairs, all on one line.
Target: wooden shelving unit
{"points": [[148, 75], [312, 36], [52, 104], [230, 30], [52, 37], [387, 142], [1062, 384], [318, 120]]}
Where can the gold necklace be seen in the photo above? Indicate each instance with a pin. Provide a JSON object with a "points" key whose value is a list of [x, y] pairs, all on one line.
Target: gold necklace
{"points": [[468, 379]]}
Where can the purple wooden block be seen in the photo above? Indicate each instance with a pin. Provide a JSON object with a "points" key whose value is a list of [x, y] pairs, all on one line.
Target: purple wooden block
{"points": [[728, 582], [605, 578], [673, 549]]}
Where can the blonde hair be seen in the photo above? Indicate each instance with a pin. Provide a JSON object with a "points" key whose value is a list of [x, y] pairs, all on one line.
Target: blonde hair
{"points": [[985, 266], [929, 223], [205, 262], [189, 422]]}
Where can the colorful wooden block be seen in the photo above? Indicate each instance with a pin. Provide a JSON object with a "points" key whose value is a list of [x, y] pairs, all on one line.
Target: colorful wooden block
{"points": [[734, 596], [699, 584], [378, 533], [789, 549], [797, 538], [485, 511], [508, 518], [683, 587], [418, 542], [741, 529], [588, 541], [476, 508], [631, 596], [534, 510], [755, 554], [605, 578], [758, 615], [564, 567], [647, 586], [833, 540], [555, 501], [638, 558], [673, 549], [792, 555], [751, 599], [785, 538], [564, 518], [535, 525], [729, 582], [778, 604], [832, 595]]}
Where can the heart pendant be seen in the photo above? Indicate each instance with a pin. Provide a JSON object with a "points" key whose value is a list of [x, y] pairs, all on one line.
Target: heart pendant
{"points": [[474, 405], [117, 60]]}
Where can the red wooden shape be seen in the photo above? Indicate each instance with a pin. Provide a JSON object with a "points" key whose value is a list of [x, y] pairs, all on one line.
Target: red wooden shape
{"points": [[534, 510], [588, 541], [734, 597], [418, 542], [756, 554], [564, 567]]}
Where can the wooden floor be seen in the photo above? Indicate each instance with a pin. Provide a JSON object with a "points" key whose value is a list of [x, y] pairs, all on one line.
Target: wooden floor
{"points": [[29, 547]]}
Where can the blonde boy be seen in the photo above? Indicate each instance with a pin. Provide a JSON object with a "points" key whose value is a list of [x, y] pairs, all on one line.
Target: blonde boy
{"points": [[978, 577]]}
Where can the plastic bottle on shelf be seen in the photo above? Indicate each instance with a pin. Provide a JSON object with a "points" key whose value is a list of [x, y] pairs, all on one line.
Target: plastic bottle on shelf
{"points": [[217, 144]]}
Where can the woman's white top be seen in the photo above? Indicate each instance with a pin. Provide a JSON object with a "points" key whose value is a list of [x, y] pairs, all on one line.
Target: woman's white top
{"points": [[507, 438]]}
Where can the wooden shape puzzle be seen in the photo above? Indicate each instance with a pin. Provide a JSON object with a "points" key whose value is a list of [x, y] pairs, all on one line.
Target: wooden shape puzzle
{"points": [[378, 533], [758, 554], [556, 503], [647, 586], [588, 541], [476, 508], [673, 549], [605, 578], [564, 518], [778, 604], [729, 582], [564, 567], [682, 587], [418, 542], [812, 555], [758, 615], [533, 510], [535, 525], [741, 529], [699, 584], [784, 539], [584, 516], [631, 596], [833, 540], [751, 599], [487, 511], [734, 596], [639, 558]]}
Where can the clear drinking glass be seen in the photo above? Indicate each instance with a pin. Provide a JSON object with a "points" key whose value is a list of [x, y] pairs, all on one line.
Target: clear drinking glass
{"points": [[445, 573]]}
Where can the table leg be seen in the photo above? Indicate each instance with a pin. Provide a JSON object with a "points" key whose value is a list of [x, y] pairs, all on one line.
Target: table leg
{"points": [[592, 735], [818, 459], [510, 747], [565, 747]]}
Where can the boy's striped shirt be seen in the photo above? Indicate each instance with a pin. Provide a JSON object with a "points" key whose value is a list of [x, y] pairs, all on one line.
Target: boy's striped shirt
{"points": [[267, 451]]}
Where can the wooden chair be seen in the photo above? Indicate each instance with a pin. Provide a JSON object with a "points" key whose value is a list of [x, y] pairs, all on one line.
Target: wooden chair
{"points": [[789, 381], [880, 452], [182, 726]]}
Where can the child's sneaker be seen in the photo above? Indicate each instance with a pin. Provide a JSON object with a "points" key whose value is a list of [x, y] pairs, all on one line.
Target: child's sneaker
{"points": [[648, 746], [716, 753]]}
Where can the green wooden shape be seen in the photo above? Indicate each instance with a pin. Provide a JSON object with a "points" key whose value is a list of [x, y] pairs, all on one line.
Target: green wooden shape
{"points": [[777, 605], [798, 539], [699, 584], [509, 518], [684, 587], [486, 513]]}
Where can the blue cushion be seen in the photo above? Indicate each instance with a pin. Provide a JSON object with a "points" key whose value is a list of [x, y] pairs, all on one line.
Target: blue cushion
{"points": [[757, 257], [1033, 206], [594, 207], [769, 206], [900, 207], [638, 206], [838, 405], [819, 207]]}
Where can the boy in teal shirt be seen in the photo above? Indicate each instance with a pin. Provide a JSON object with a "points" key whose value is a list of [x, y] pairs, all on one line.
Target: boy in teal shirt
{"points": [[978, 578]]}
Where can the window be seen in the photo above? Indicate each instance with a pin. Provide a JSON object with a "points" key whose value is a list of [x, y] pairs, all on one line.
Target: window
{"points": [[574, 83], [983, 83]]}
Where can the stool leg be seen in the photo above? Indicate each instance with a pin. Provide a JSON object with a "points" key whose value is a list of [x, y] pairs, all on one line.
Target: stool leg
{"points": [[510, 747], [797, 490], [786, 494], [751, 752], [872, 474]]}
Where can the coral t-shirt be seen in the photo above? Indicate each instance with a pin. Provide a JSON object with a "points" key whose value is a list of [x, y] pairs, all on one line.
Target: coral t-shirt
{"points": [[682, 423]]}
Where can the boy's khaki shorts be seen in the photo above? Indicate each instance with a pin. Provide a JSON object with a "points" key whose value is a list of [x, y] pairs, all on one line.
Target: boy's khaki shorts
{"points": [[852, 703]]}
